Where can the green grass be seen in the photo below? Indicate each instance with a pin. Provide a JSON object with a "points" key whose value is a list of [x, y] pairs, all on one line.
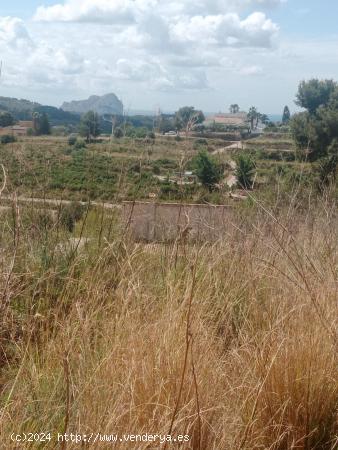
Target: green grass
{"points": [[129, 168]]}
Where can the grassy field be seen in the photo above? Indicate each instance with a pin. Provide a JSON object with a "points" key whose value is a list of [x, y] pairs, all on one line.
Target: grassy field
{"points": [[135, 168], [231, 343]]}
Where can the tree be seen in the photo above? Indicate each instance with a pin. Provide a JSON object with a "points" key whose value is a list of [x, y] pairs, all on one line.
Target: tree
{"points": [[253, 117], [328, 166], [300, 130], [286, 115], [41, 125], [234, 108], [6, 119], [208, 171], [90, 125], [186, 117], [166, 124], [44, 125], [245, 169], [315, 130], [264, 119], [118, 133], [36, 118], [314, 93]]}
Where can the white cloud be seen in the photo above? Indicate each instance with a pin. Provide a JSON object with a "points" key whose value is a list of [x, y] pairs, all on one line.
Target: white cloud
{"points": [[13, 32], [157, 76], [137, 70], [226, 30], [251, 70], [122, 11], [171, 27], [137, 48], [56, 61], [108, 11]]}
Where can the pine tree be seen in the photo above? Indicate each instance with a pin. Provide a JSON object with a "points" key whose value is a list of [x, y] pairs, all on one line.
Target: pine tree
{"points": [[207, 170], [44, 125], [245, 171], [286, 115]]}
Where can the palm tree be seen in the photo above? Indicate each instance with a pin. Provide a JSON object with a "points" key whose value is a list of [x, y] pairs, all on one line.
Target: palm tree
{"points": [[264, 119], [253, 116], [234, 108]]}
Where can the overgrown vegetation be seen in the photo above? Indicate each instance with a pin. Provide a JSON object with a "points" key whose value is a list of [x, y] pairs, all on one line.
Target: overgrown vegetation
{"points": [[231, 343], [245, 169]]}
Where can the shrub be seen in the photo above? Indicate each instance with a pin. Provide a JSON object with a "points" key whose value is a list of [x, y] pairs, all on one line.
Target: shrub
{"points": [[156, 170], [70, 214], [169, 191], [79, 145], [201, 141], [198, 143], [72, 140], [245, 171], [141, 133], [208, 170], [118, 133], [7, 139]]}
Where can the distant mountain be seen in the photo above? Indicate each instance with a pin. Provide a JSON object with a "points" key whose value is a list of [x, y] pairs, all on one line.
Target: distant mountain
{"points": [[106, 104], [17, 106], [23, 109]]}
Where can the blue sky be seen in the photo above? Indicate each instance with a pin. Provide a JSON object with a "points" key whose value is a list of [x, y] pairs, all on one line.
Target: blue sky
{"points": [[156, 53]]}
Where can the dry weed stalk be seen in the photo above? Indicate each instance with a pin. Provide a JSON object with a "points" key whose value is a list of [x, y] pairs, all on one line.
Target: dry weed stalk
{"points": [[224, 345]]}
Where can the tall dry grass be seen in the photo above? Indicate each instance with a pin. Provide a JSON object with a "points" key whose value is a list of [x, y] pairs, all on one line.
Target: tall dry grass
{"points": [[233, 343]]}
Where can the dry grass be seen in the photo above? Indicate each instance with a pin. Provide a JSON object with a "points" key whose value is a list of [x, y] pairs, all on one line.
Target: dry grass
{"points": [[233, 343]]}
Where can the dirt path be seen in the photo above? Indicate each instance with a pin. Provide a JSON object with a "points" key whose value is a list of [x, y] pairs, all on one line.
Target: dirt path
{"points": [[231, 179], [58, 202], [238, 145]]}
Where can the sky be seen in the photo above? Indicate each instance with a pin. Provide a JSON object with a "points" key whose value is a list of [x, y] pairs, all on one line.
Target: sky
{"points": [[167, 53]]}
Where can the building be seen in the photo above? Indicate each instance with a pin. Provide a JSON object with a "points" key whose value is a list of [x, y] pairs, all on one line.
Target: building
{"points": [[19, 129], [26, 124], [237, 119]]}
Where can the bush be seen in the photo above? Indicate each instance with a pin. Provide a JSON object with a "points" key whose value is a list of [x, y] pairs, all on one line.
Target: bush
{"points": [[156, 170], [201, 141], [72, 140], [244, 171], [169, 191], [198, 143], [209, 172], [118, 133], [71, 214], [79, 145], [7, 139]]}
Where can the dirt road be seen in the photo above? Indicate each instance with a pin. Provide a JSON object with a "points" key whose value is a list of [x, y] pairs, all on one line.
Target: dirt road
{"points": [[238, 145], [58, 202]]}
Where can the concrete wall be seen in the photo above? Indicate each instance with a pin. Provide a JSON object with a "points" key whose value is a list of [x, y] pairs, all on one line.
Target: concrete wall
{"points": [[169, 221]]}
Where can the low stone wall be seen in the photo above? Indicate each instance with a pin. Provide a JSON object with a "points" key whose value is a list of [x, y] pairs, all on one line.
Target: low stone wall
{"points": [[163, 222]]}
